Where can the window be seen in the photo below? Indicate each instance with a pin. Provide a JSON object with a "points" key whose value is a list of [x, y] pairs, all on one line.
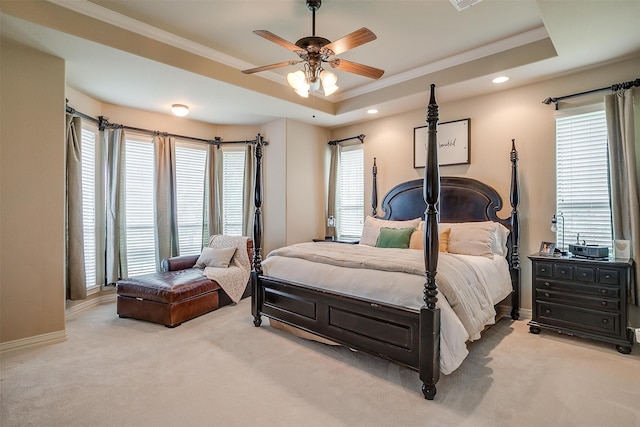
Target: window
{"points": [[190, 177], [139, 212], [232, 190], [138, 181], [582, 180], [350, 200], [89, 189]]}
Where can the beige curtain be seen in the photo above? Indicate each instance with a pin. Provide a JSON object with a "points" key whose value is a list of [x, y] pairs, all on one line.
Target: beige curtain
{"points": [[248, 191], [624, 151], [76, 287], [115, 247], [330, 223], [166, 209], [213, 187]]}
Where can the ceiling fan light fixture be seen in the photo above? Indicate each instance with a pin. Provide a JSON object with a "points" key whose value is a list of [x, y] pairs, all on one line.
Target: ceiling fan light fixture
{"points": [[329, 90], [329, 81], [298, 81], [180, 110]]}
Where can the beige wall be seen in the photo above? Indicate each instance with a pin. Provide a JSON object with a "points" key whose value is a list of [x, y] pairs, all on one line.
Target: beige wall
{"points": [[32, 193], [495, 120], [306, 148]]}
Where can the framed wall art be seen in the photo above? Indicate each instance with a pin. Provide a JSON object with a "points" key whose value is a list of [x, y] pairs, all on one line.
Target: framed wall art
{"points": [[454, 143]]}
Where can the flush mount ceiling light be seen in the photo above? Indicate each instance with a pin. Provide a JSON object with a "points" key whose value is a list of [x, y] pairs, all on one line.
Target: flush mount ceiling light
{"points": [[180, 110], [500, 79], [315, 51], [463, 4], [372, 111]]}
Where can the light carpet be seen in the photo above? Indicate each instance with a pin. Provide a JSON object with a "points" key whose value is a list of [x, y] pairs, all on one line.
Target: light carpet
{"points": [[219, 370]]}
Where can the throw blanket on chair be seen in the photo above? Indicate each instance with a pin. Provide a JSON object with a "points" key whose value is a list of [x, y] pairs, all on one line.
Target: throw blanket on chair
{"points": [[233, 279]]}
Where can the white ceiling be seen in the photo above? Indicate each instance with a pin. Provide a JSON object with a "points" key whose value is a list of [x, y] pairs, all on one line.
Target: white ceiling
{"points": [[150, 54]]}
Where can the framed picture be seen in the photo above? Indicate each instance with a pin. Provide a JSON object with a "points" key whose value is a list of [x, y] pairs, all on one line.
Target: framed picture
{"points": [[454, 140], [547, 248]]}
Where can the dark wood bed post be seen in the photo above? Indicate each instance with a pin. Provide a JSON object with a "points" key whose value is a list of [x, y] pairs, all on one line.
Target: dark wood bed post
{"points": [[514, 261], [256, 296], [374, 190], [429, 313]]}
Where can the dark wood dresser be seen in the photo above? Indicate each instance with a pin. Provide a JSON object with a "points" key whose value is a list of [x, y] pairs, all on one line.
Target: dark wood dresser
{"points": [[582, 297]]}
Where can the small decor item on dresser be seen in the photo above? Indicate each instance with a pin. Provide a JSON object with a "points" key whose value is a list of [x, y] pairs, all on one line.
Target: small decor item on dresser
{"points": [[622, 249], [547, 248]]}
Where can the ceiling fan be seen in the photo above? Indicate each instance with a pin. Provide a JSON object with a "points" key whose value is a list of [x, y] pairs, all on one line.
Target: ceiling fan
{"points": [[314, 51]]}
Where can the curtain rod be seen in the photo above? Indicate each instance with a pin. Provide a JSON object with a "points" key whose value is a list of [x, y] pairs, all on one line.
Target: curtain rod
{"points": [[103, 123], [614, 88], [337, 141]]}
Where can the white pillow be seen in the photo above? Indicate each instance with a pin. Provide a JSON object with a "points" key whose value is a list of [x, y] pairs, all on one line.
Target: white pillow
{"points": [[211, 257], [483, 238], [372, 226]]}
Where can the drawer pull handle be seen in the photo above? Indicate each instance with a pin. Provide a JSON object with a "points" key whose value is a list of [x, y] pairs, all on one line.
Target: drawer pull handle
{"points": [[607, 276], [603, 303], [603, 291], [584, 274], [547, 311], [543, 270], [605, 321], [547, 284], [546, 294]]}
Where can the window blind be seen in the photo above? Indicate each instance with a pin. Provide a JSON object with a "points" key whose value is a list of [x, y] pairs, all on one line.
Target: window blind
{"points": [[232, 191], [582, 180], [139, 216], [190, 176], [350, 200], [88, 148]]}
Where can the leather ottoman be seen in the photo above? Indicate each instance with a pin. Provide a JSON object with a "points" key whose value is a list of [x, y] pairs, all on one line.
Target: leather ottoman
{"points": [[169, 297]]}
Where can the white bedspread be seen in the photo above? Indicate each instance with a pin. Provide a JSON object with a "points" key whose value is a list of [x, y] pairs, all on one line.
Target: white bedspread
{"points": [[471, 285]]}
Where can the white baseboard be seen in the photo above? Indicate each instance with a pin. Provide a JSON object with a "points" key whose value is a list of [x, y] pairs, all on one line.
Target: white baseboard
{"points": [[44, 339], [90, 303], [58, 336]]}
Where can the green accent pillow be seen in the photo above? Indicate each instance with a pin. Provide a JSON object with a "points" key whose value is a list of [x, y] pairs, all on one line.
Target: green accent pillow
{"points": [[394, 237]]}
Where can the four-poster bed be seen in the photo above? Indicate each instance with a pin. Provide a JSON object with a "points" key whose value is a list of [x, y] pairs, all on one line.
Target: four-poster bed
{"points": [[408, 334]]}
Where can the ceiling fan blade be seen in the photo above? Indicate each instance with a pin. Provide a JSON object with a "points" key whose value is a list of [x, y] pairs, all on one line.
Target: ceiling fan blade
{"points": [[277, 39], [355, 39], [269, 67], [354, 67]]}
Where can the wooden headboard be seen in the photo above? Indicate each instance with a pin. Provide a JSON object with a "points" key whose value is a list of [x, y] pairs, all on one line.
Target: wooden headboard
{"points": [[461, 200]]}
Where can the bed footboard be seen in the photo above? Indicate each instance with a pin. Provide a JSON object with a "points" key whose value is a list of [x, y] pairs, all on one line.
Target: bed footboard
{"points": [[385, 331]]}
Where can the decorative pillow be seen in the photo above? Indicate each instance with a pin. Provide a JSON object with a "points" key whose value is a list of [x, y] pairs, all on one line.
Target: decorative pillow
{"points": [[473, 241], [373, 225], [211, 257], [394, 237], [416, 241]]}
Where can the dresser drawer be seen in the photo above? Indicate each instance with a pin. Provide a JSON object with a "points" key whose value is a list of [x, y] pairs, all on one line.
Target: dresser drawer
{"points": [[586, 274], [544, 269], [576, 287], [609, 277], [578, 300], [578, 319], [563, 271]]}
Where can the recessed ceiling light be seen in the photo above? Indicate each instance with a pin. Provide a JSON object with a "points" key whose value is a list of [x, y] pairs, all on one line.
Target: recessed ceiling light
{"points": [[500, 79], [180, 110], [372, 111]]}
